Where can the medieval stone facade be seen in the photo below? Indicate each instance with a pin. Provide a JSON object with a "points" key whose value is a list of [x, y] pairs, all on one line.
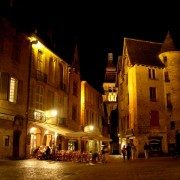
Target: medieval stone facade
{"points": [[14, 58], [144, 94]]}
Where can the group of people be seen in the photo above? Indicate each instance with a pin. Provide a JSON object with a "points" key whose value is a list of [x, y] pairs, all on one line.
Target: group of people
{"points": [[131, 152]]}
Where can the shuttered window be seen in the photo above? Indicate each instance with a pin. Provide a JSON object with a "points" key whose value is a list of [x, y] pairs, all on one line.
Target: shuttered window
{"points": [[154, 118], [4, 85], [8, 87]]}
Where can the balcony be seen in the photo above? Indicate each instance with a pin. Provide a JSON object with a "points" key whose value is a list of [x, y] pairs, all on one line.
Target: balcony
{"points": [[40, 76]]}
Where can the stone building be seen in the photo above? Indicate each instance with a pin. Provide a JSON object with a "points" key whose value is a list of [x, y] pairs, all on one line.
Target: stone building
{"points": [[74, 99], [14, 60], [110, 102], [170, 56], [50, 99], [91, 116], [148, 94]]}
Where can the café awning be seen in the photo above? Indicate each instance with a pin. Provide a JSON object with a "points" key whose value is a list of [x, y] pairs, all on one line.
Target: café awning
{"points": [[86, 135], [54, 128]]}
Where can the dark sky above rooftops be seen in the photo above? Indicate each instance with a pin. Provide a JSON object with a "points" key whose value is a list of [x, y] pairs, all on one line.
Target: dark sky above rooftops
{"points": [[98, 27]]}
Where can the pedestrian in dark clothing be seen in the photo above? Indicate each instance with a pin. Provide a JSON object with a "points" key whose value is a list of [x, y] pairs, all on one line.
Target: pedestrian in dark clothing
{"points": [[146, 150], [128, 149], [48, 152], [124, 152]]}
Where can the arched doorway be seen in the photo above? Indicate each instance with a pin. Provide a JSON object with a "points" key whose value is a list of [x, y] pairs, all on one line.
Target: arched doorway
{"points": [[35, 138], [16, 138]]}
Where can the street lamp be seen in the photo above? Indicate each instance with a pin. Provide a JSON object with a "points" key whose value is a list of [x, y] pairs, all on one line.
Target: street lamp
{"points": [[51, 113]]}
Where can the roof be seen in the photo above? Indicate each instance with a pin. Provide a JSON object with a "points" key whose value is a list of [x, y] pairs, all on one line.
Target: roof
{"points": [[143, 52], [168, 44]]}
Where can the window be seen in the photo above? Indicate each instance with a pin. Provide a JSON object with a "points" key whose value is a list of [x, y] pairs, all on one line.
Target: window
{"points": [[50, 99], [152, 91], [151, 73], [13, 89], [166, 76], [4, 85], [165, 60], [168, 100], [75, 88], [154, 118], [61, 76], [39, 60], [112, 97], [51, 70], [172, 125], [6, 141], [8, 87], [74, 113], [39, 94]]}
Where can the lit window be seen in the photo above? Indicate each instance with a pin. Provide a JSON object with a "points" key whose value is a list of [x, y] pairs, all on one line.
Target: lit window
{"points": [[13, 90], [112, 97]]}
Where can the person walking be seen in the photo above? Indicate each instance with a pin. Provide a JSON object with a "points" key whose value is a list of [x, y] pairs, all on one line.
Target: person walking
{"points": [[134, 150], [146, 150], [123, 150], [128, 149]]}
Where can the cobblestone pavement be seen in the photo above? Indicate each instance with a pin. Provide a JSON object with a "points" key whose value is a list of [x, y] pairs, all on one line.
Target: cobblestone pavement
{"points": [[154, 168]]}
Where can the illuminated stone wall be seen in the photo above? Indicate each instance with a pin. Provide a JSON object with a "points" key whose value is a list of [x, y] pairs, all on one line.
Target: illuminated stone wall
{"points": [[91, 106], [14, 57]]}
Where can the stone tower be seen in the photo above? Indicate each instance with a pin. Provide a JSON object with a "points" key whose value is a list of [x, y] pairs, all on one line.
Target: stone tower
{"points": [[110, 101], [170, 56]]}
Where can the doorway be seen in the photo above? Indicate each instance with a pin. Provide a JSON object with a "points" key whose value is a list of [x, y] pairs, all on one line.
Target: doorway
{"points": [[16, 138]]}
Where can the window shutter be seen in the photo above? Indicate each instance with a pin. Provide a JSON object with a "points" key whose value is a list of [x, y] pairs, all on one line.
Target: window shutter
{"points": [[4, 85], [154, 119]]}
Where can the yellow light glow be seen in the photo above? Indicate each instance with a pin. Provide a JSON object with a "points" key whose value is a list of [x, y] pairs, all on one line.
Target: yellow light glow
{"points": [[38, 45], [53, 113], [91, 127], [32, 39], [32, 130], [56, 134]]}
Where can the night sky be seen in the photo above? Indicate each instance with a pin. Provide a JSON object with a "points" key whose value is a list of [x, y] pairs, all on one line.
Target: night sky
{"points": [[97, 27]]}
